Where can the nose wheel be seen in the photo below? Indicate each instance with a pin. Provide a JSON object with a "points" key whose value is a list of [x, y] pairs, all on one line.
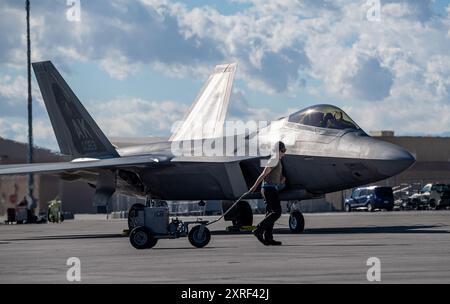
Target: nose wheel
{"points": [[297, 222]]}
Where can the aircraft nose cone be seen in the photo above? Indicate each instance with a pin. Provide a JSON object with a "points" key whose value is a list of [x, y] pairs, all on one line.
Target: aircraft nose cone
{"points": [[392, 158]]}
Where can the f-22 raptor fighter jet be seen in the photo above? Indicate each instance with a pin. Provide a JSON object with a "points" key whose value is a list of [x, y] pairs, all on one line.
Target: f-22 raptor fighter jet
{"points": [[326, 151]]}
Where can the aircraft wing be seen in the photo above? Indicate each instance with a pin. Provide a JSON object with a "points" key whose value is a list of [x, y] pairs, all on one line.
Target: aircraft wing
{"points": [[139, 161], [86, 164], [215, 159]]}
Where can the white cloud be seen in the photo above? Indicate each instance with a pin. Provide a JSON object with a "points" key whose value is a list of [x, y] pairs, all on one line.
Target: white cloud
{"points": [[118, 66], [136, 117], [13, 130], [13, 88], [437, 75], [119, 117], [17, 129], [362, 77], [403, 117], [14, 93], [280, 47], [239, 109]]}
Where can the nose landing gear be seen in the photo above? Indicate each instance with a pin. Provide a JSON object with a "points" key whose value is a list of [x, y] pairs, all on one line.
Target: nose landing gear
{"points": [[296, 219], [296, 222]]}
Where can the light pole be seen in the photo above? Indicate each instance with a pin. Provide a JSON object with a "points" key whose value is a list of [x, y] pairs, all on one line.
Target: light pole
{"points": [[31, 202]]}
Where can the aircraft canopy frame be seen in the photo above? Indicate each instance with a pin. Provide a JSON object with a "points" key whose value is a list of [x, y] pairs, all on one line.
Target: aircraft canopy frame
{"points": [[324, 116]]}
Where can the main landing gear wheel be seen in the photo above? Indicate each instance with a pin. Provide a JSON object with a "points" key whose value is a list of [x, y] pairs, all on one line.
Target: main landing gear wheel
{"points": [[141, 238], [244, 216], [297, 222], [199, 236], [241, 215], [133, 216]]}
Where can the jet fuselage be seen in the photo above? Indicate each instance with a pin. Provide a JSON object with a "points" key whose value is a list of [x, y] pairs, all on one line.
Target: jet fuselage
{"points": [[318, 161]]}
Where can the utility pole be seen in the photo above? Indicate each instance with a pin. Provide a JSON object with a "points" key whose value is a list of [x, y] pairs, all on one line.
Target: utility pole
{"points": [[31, 202]]}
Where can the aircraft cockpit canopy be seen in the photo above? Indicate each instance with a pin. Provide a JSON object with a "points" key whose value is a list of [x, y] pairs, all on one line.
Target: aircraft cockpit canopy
{"points": [[324, 116]]}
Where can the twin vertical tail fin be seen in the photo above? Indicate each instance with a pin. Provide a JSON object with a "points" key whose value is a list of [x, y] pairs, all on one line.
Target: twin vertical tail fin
{"points": [[209, 108], [76, 132]]}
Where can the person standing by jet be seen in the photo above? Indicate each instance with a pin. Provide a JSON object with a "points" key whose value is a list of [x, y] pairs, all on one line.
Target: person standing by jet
{"points": [[272, 181]]}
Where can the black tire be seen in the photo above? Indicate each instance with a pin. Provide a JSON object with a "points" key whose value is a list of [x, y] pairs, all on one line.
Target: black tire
{"points": [[141, 238], [132, 214], [390, 209], [348, 208], [297, 222], [432, 204], [198, 239], [416, 205], [61, 218], [244, 214]]}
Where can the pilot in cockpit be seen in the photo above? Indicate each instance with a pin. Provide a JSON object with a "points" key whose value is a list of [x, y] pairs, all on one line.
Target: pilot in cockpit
{"points": [[341, 123], [335, 121], [327, 121]]}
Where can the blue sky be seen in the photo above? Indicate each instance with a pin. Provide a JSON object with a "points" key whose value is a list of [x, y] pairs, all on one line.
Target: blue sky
{"points": [[137, 66], [440, 5]]}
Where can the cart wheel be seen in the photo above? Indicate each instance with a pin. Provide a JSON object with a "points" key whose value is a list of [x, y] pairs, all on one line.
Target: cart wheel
{"points": [[133, 214], [141, 238], [199, 236]]}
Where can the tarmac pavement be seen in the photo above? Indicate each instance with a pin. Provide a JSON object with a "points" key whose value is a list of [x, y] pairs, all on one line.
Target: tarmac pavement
{"points": [[412, 247]]}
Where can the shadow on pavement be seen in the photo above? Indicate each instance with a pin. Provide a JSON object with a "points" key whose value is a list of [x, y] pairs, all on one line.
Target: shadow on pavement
{"points": [[424, 229], [379, 229], [355, 230], [67, 237]]}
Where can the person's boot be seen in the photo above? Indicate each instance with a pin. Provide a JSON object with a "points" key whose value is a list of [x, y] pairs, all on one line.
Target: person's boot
{"points": [[268, 236], [272, 242], [259, 233]]}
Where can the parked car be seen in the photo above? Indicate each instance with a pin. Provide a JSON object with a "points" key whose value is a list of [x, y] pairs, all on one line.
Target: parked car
{"points": [[402, 194], [370, 198], [431, 196], [407, 204]]}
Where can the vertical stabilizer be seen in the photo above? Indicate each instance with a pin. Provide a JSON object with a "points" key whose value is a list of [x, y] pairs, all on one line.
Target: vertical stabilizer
{"points": [[76, 132], [209, 108]]}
